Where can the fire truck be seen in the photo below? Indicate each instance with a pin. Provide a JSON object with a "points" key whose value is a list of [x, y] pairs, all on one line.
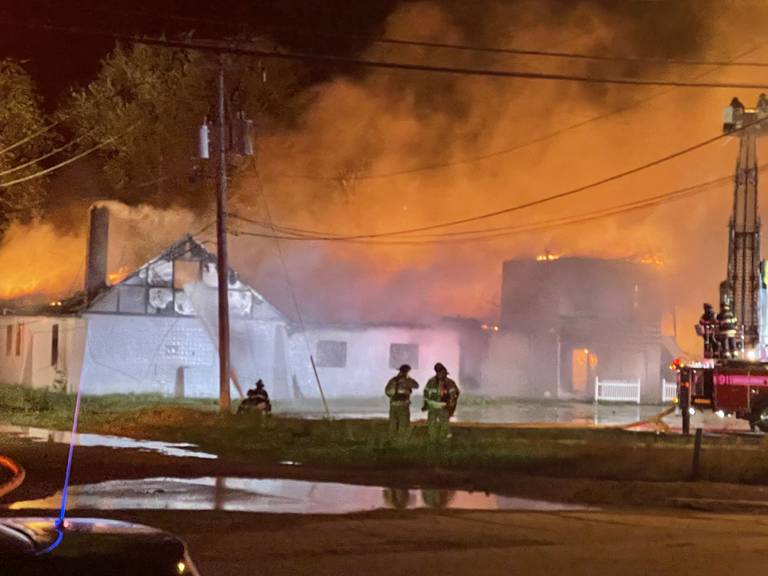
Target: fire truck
{"points": [[733, 378], [738, 388]]}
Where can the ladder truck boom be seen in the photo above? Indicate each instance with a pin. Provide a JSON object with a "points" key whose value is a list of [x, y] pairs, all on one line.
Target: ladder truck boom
{"points": [[733, 378]]}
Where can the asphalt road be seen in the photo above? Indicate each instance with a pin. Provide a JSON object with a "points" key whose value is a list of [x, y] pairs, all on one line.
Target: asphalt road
{"points": [[447, 543], [645, 539]]}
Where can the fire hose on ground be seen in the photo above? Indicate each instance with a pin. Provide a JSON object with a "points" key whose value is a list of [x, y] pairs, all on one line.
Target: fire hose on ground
{"points": [[17, 475], [657, 421]]}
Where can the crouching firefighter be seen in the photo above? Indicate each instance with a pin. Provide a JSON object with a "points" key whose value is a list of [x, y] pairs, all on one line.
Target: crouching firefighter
{"points": [[398, 390], [727, 324], [440, 398], [257, 401]]}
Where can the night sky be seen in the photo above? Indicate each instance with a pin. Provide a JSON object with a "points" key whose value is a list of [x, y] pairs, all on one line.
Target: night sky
{"points": [[57, 60]]}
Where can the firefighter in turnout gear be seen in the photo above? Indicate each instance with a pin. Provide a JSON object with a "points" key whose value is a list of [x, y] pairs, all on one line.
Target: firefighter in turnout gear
{"points": [[708, 331], [399, 390], [726, 331], [257, 401], [440, 398]]}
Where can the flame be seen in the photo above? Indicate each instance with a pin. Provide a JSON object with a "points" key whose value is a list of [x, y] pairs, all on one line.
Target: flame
{"points": [[118, 276], [655, 260], [44, 264], [547, 257], [37, 260]]}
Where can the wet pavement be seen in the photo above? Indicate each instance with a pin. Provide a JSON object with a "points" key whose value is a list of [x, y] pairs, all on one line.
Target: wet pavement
{"points": [[503, 411], [179, 450], [274, 496], [508, 411]]}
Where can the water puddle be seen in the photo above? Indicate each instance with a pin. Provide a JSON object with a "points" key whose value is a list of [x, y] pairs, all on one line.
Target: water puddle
{"points": [[274, 496], [178, 450]]}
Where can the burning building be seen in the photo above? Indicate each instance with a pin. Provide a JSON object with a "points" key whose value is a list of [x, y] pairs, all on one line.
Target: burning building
{"points": [[154, 331], [567, 321]]}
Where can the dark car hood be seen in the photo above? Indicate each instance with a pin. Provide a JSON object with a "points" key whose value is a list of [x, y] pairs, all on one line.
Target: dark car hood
{"points": [[89, 546]]}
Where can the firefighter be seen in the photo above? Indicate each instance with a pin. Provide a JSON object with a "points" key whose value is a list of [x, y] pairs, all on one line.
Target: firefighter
{"points": [[762, 104], [398, 390], [733, 115], [708, 323], [440, 398], [257, 401], [726, 331]]}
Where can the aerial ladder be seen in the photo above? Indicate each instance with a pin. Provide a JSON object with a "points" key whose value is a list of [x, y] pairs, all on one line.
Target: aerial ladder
{"points": [[733, 380], [742, 286]]}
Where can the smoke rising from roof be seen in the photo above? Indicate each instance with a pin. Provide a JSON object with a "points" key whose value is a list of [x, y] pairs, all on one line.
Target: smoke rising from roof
{"points": [[379, 123], [384, 123]]}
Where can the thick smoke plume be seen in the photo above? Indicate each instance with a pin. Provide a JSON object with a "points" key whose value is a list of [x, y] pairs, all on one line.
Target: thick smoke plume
{"points": [[384, 123], [354, 161], [42, 262]]}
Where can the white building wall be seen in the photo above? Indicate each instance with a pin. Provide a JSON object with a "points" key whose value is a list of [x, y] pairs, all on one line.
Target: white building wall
{"points": [[28, 360], [141, 354], [153, 354], [135, 354], [367, 367]]}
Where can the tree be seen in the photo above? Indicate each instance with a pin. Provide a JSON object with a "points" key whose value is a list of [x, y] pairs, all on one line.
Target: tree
{"points": [[21, 118], [146, 106]]}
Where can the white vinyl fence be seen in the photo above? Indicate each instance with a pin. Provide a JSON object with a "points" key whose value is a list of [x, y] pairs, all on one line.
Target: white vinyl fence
{"points": [[617, 391], [668, 391]]}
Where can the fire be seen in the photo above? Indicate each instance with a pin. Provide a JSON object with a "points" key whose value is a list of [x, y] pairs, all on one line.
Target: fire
{"points": [[547, 257], [38, 261], [655, 260], [118, 276]]}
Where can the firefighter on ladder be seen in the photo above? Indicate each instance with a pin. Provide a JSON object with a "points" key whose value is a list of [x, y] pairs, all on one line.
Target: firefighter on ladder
{"points": [[708, 331], [727, 325]]}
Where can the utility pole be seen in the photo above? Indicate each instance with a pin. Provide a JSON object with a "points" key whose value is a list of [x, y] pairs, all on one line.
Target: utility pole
{"points": [[222, 266], [232, 135]]}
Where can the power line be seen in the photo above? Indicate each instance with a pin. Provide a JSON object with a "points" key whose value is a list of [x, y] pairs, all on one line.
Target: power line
{"points": [[32, 136], [492, 49], [294, 297], [504, 151], [494, 233], [66, 162], [430, 167], [46, 155], [558, 196], [230, 47], [569, 55]]}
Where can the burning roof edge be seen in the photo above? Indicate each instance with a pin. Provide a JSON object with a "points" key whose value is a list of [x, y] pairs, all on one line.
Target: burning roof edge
{"points": [[76, 303]]}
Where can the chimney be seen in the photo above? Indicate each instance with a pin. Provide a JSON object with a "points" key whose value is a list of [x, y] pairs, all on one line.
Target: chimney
{"points": [[96, 255]]}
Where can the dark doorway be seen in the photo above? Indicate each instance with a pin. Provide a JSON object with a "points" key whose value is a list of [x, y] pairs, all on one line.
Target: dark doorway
{"points": [[178, 391]]}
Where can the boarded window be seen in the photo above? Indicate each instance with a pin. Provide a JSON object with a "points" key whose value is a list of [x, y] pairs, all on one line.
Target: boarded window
{"points": [[331, 354], [19, 328], [400, 354], [55, 345], [9, 339], [132, 299]]}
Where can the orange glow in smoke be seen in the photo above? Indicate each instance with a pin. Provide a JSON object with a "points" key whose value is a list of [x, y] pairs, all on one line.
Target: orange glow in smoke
{"points": [[39, 262], [655, 260]]}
